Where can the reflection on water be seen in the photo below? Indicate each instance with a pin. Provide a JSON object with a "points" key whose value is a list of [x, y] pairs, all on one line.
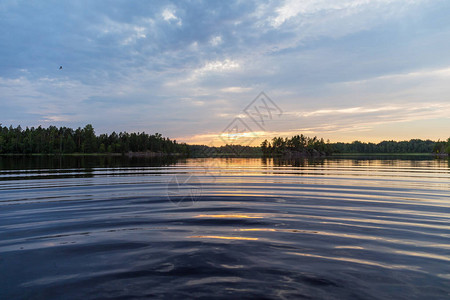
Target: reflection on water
{"points": [[35, 162], [110, 227], [241, 238]]}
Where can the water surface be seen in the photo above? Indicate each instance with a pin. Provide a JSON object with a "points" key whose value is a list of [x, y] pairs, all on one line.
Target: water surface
{"points": [[118, 228]]}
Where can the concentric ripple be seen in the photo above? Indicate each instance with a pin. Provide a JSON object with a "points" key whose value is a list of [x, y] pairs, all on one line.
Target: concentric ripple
{"points": [[222, 228]]}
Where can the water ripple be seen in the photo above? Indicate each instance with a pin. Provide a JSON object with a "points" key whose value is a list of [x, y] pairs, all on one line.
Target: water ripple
{"points": [[246, 228]]}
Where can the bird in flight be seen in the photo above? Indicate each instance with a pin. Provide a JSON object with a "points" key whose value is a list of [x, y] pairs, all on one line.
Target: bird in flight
{"points": [[60, 67]]}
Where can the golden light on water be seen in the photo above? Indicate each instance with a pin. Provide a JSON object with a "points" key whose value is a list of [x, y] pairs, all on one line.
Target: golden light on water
{"points": [[239, 238], [257, 229], [230, 216]]}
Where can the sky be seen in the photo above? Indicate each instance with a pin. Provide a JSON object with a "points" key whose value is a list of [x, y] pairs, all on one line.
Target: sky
{"points": [[346, 70]]}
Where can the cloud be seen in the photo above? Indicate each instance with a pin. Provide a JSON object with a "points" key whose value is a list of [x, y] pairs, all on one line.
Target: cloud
{"points": [[235, 89], [182, 67], [218, 66], [216, 40], [353, 121], [169, 15], [209, 68], [303, 11], [351, 110]]}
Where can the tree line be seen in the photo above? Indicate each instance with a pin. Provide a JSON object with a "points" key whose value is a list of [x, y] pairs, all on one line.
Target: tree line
{"points": [[296, 144], [311, 146], [54, 140], [411, 146], [442, 147]]}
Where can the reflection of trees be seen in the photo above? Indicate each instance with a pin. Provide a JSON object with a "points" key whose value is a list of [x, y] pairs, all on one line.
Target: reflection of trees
{"points": [[18, 162], [296, 162]]}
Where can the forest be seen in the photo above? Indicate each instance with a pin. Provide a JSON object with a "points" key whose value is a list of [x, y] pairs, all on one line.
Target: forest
{"points": [[54, 140], [303, 144], [411, 146], [296, 144], [64, 140], [441, 147]]}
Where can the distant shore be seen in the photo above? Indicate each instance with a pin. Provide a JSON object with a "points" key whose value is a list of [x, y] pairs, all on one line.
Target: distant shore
{"points": [[383, 154], [290, 155], [129, 154]]}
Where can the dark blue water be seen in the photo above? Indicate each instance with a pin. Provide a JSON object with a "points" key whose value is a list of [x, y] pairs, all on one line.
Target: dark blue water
{"points": [[224, 228]]}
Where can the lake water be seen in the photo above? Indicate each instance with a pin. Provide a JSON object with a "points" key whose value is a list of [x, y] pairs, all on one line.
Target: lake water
{"points": [[119, 228]]}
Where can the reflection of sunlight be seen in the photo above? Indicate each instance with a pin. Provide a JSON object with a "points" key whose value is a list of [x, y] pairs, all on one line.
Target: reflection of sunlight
{"points": [[257, 229], [336, 166], [335, 234], [358, 237], [239, 238], [229, 216], [422, 254], [349, 247], [445, 276], [356, 261], [279, 230]]}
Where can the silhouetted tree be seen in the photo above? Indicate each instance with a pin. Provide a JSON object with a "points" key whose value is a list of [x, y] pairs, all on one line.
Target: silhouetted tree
{"points": [[53, 140]]}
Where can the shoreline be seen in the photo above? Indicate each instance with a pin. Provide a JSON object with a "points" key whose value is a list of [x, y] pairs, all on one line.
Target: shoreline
{"points": [[227, 155], [129, 154]]}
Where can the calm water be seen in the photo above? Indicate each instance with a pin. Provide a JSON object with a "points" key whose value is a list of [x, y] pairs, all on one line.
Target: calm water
{"points": [[116, 228]]}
